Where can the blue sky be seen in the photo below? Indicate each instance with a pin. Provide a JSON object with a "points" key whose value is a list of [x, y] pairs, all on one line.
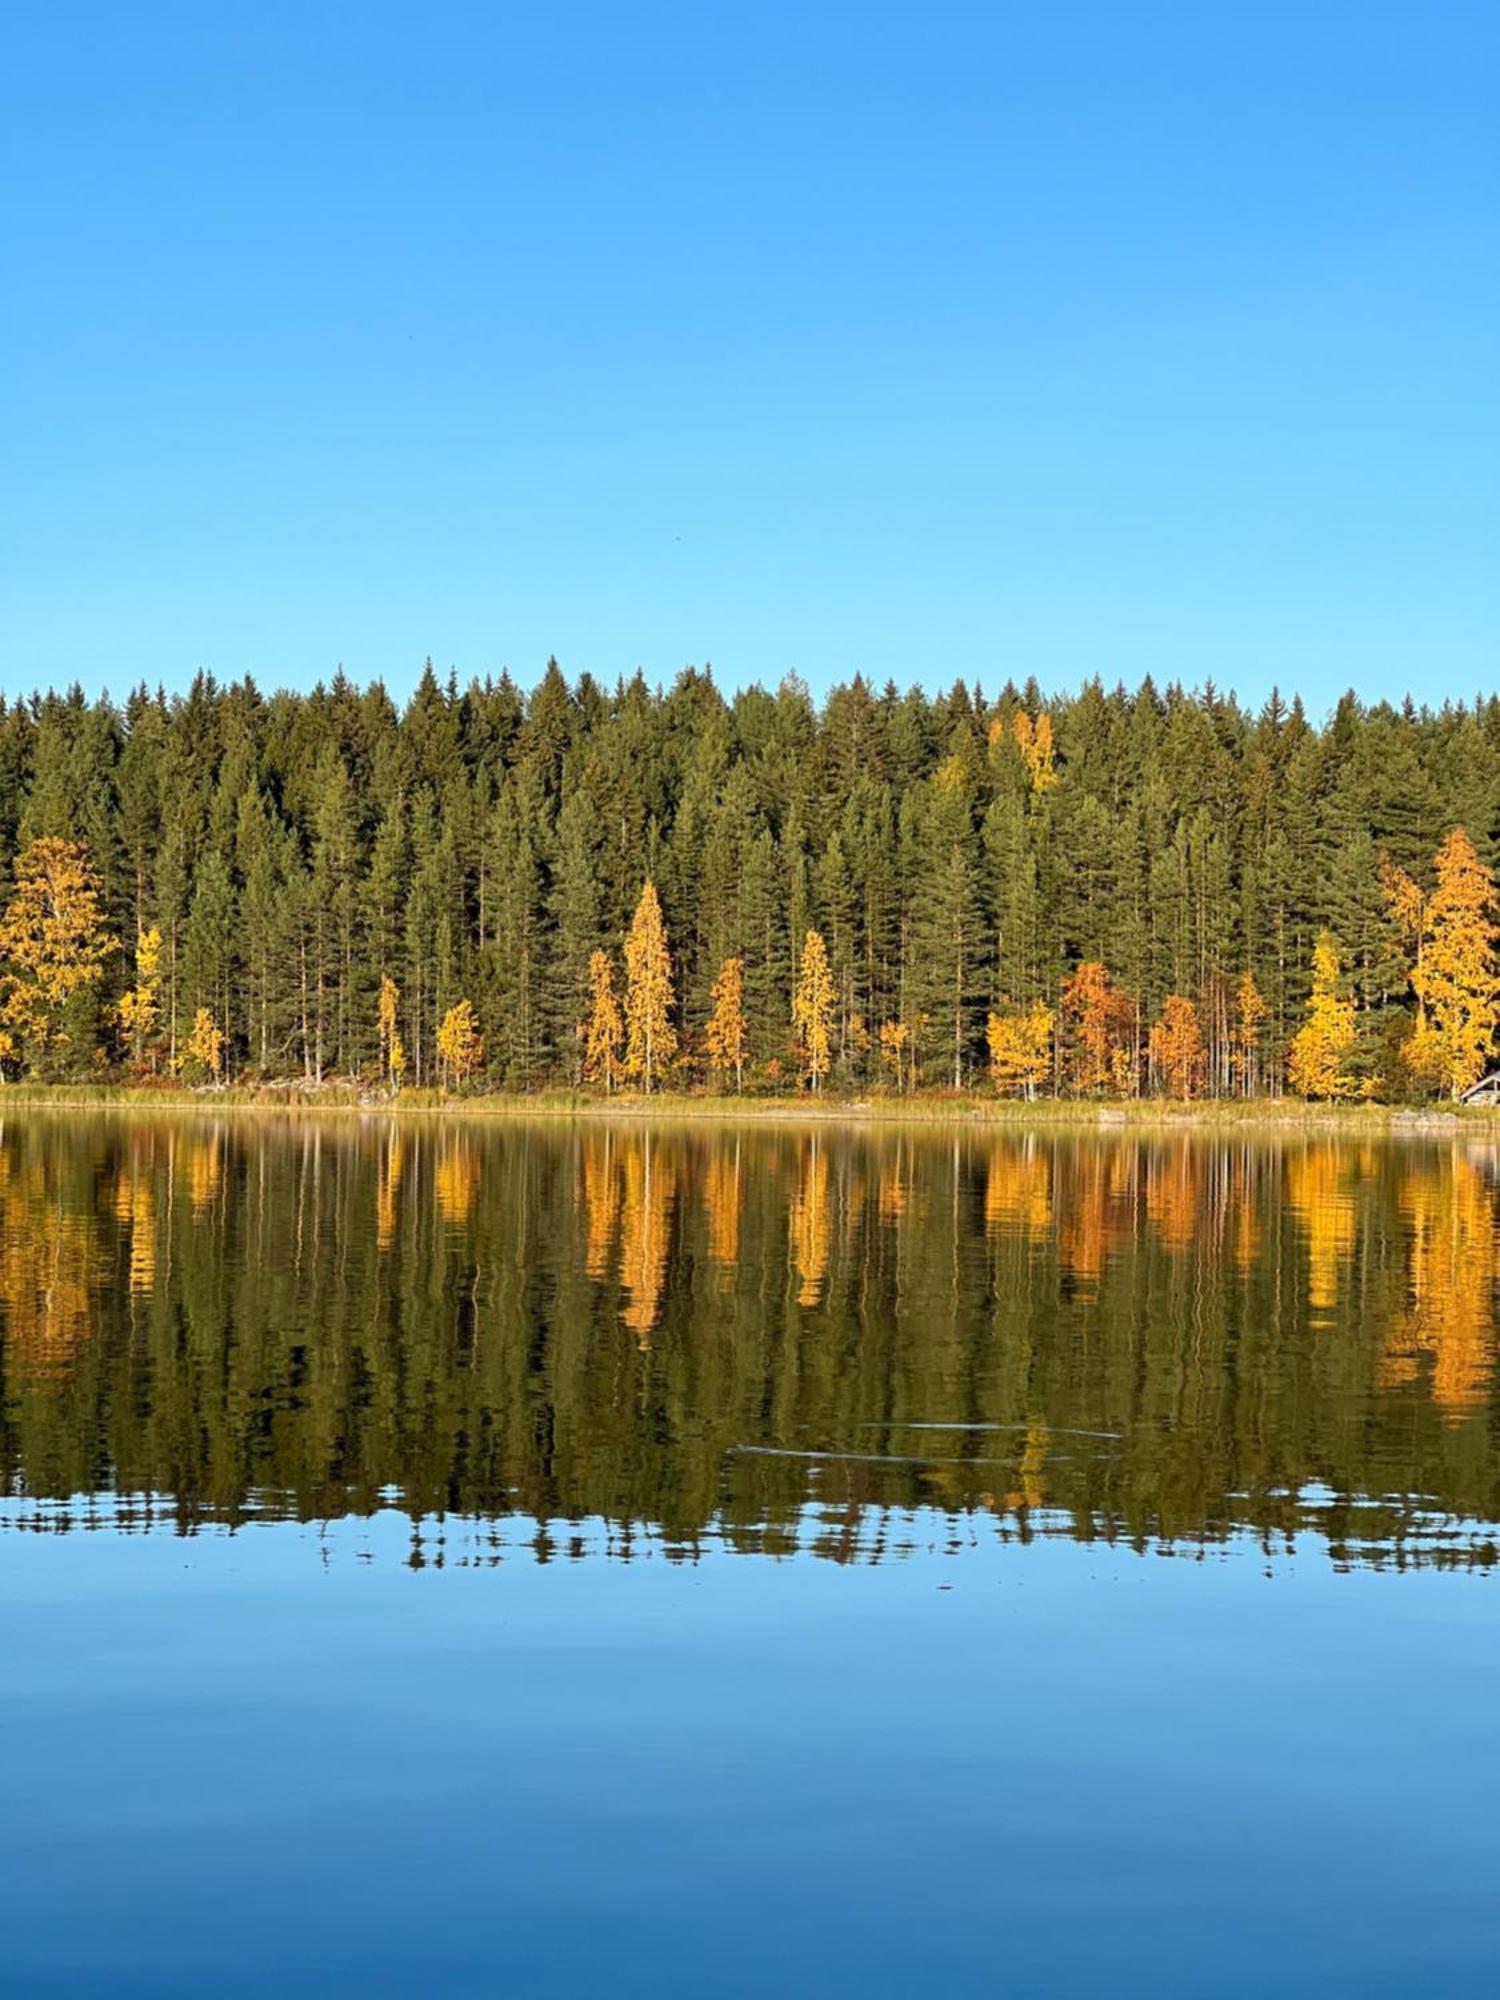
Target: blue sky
{"points": [[988, 340]]}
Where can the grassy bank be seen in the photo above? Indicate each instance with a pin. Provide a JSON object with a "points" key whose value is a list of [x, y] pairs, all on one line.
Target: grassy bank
{"points": [[946, 1108]]}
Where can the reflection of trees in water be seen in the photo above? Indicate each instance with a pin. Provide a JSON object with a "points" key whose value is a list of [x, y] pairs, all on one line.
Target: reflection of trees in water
{"points": [[205, 1170], [53, 1261], [1450, 1315], [135, 1211], [308, 1315], [810, 1222], [894, 1183], [1096, 1213], [645, 1231], [601, 1202], [722, 1199], [456, 1178], [1173, 1193], [1018, 1187], [391, 1164], [1318, 1193]]}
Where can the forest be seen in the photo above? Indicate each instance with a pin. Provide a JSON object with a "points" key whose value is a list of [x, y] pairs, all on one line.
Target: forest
{"points": [[1111, 893]]}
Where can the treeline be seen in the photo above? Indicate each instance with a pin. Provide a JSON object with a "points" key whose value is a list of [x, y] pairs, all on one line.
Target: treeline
{"points": [[1113, 892]]}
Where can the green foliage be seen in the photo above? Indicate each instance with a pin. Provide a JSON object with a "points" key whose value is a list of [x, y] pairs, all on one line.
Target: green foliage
{"points": [[485, 843]]}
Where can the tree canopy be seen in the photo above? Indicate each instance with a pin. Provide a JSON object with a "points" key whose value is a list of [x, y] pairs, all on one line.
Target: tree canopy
{"points": [[328, 876]]}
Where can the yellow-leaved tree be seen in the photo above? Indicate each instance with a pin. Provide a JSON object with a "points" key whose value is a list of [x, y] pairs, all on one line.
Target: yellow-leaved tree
{"points": [[1250, 1012], [1405, 905], [139, 1004], [650, 1038], [1021, 1049], [725, 1038], [603, 1033], [1324, 1043], [894, 1039], [53, 944], [203, 1052], [812, 1009], [1175, 1046], [1034, 740], [460, 1045], [388, 1019], [1455, 979]]}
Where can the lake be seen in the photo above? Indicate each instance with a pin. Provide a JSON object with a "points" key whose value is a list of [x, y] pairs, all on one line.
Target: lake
{"points": [[499, 1558]]}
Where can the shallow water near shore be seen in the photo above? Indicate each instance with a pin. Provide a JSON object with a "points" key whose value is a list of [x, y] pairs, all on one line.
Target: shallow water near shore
{"points": [[534, 1559]]}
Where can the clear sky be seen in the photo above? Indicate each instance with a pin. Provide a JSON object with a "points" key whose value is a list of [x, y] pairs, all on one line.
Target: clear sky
{"points": [[929, 341]]}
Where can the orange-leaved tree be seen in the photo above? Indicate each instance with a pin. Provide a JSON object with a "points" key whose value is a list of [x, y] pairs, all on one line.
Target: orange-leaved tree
{"points": [[1175, 1046], [1102, 1030], [1324, 1043], [53, 943], [1021, 1049], [725, 1037], [1456, 981], [603, 1033], [650, 1038], [812, 1009]]}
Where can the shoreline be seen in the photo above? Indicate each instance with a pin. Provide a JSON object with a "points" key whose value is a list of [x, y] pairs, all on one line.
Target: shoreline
{"points": [[1282, 1115]]}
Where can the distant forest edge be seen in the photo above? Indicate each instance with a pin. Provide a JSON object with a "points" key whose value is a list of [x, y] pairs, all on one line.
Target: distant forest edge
{"points": [[1111, 894]]}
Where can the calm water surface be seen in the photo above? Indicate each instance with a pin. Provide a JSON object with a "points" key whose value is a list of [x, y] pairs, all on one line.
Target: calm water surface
{"points": [[487, 1559]]}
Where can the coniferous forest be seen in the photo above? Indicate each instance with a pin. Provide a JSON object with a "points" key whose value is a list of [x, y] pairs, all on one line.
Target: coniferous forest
{"points": [[1113, 893]]}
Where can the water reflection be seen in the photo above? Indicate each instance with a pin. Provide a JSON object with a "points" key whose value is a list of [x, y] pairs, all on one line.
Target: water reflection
{"points": [[766, 1335]]}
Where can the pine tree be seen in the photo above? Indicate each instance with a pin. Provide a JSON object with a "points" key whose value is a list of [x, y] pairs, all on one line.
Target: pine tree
{"points": [[945, 947], [767, 972]]}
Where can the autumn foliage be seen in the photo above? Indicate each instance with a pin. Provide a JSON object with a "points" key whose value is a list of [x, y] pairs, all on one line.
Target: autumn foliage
{"points": [[1324, 1044], [53, 944], [460, 1045], [1101, 1028], [812, 1009], [1175, 1047], [603, 1033], [650, 1034], [1455, 979], [726, 1038], [897, 893], [1020, 1048]]}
